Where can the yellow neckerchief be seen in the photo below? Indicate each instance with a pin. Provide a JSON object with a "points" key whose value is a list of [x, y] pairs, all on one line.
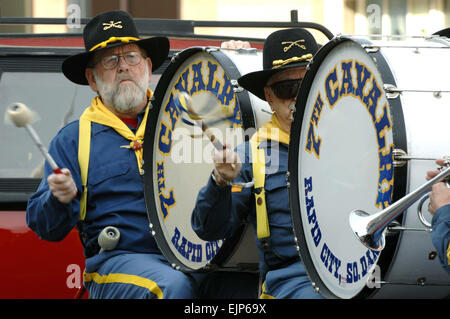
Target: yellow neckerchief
{"points": [[272, 131], [100, 114]]}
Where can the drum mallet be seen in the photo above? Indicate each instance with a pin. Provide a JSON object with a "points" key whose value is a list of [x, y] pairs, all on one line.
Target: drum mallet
{"points": [[21, 116], [183, 102]]}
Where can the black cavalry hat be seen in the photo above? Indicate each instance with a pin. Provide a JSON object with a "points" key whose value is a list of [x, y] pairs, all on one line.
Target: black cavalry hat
{"points": [[443, 33], [283, 49], [107, 30]]}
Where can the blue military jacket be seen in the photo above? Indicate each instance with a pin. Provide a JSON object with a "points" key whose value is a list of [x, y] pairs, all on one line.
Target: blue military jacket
{"points": [[115, 195], [441, 235], [219, 210]]}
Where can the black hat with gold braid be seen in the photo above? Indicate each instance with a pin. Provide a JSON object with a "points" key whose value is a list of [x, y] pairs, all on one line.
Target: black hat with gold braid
{"points": [[108, 30], [283, 49]]}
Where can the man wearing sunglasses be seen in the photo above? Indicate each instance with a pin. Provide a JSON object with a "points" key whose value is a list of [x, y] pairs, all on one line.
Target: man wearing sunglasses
{"points": [[221, 204]]}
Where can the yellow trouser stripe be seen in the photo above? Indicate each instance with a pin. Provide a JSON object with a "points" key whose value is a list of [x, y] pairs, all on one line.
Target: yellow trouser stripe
{"points": [[448, 254], [124, 279], [263, 293]]}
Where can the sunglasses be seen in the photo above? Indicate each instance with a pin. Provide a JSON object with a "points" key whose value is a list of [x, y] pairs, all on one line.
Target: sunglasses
{"points": [[286, 90]]}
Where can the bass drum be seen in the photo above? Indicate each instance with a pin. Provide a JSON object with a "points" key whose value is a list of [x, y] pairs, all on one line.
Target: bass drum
{"points": [[178, 158], [365, 101]]}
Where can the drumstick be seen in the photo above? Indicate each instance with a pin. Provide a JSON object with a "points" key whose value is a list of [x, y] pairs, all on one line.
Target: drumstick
{"points": [[184, 103], [22, 116]]}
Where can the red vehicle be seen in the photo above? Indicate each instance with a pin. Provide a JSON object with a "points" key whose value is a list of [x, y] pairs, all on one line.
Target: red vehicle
{"points": [[30, 73]]}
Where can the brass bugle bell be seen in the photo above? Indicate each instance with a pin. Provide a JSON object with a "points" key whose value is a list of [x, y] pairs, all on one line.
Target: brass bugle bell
{"points": [[370, 228]]}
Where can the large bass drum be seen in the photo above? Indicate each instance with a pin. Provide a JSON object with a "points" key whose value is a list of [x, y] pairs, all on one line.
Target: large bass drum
{"points": [[178, 158], [361, 103]]}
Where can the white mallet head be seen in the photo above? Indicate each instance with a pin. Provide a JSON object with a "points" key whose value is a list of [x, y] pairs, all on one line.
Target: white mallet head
{"points": [[19, 115]]}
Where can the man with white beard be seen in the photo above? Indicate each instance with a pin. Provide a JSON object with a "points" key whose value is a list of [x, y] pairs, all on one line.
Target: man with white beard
{"points": [[101, 155]]}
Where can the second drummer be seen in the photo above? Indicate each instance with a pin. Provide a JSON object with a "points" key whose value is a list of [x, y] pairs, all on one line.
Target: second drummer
{"points": [[221, 206]]}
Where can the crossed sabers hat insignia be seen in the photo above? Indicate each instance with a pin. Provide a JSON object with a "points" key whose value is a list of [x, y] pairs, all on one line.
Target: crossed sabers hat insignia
{"points": [[112, 24], [292, 43]]}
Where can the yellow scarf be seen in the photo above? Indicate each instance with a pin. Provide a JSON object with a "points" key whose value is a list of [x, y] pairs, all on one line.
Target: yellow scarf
{"points": [[272, 131], [100, 114]]}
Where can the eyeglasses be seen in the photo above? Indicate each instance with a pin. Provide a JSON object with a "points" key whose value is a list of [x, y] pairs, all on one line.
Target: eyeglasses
{"points": [[286, 90], [111, 61]]}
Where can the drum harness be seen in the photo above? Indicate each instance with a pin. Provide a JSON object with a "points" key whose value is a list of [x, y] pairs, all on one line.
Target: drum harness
{"points": [[262, 222], [84, 150]]}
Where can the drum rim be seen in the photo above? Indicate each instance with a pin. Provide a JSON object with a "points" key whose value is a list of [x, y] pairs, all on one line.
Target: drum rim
{"points": [[399, 173], [230, 244]]}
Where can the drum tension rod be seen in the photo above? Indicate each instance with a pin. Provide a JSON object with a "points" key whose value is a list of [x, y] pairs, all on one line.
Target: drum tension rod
{"points": [[400, 158], [392, 92], [396, 227]]}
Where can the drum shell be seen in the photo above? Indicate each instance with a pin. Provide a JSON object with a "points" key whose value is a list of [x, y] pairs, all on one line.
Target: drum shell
{"points": [[401, 282], [413, 272]]}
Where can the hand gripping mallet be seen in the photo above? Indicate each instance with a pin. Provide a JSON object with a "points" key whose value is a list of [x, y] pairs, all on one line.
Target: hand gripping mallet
{"points": [[22, 116], [183, 102]]}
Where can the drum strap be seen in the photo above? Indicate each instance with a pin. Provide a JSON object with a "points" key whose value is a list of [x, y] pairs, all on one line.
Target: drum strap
{"points": [[84, 150], [448, 254], [100, 114], [259, 174]]}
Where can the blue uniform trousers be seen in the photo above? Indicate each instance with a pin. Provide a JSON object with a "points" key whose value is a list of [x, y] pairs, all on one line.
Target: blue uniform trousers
{"points": [[138, 276], [149, 276], [290, 282]]}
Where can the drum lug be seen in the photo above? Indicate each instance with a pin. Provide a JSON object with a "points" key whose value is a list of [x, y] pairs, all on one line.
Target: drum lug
{"points": [[247, 51], [399, 153], [152, 232], [288, 180], [175, 266], [211, 49], [236, 87], [316, 289], [391, 91], [371, 48], [174, 58]]}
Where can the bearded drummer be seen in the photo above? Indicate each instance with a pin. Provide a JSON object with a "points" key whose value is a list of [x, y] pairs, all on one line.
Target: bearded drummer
{"points": [[262, 162], [117, 65]]}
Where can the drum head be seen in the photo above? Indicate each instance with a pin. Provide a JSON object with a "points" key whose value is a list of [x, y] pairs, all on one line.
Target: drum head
{"points": [[178, 157], [340, 160]]}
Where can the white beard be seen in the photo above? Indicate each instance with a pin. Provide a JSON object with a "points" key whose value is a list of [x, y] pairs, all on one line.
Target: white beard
{"points": [[125, 97]]}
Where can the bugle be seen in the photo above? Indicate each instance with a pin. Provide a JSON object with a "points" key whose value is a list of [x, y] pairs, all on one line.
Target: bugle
{"points": [[370, 228]]}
